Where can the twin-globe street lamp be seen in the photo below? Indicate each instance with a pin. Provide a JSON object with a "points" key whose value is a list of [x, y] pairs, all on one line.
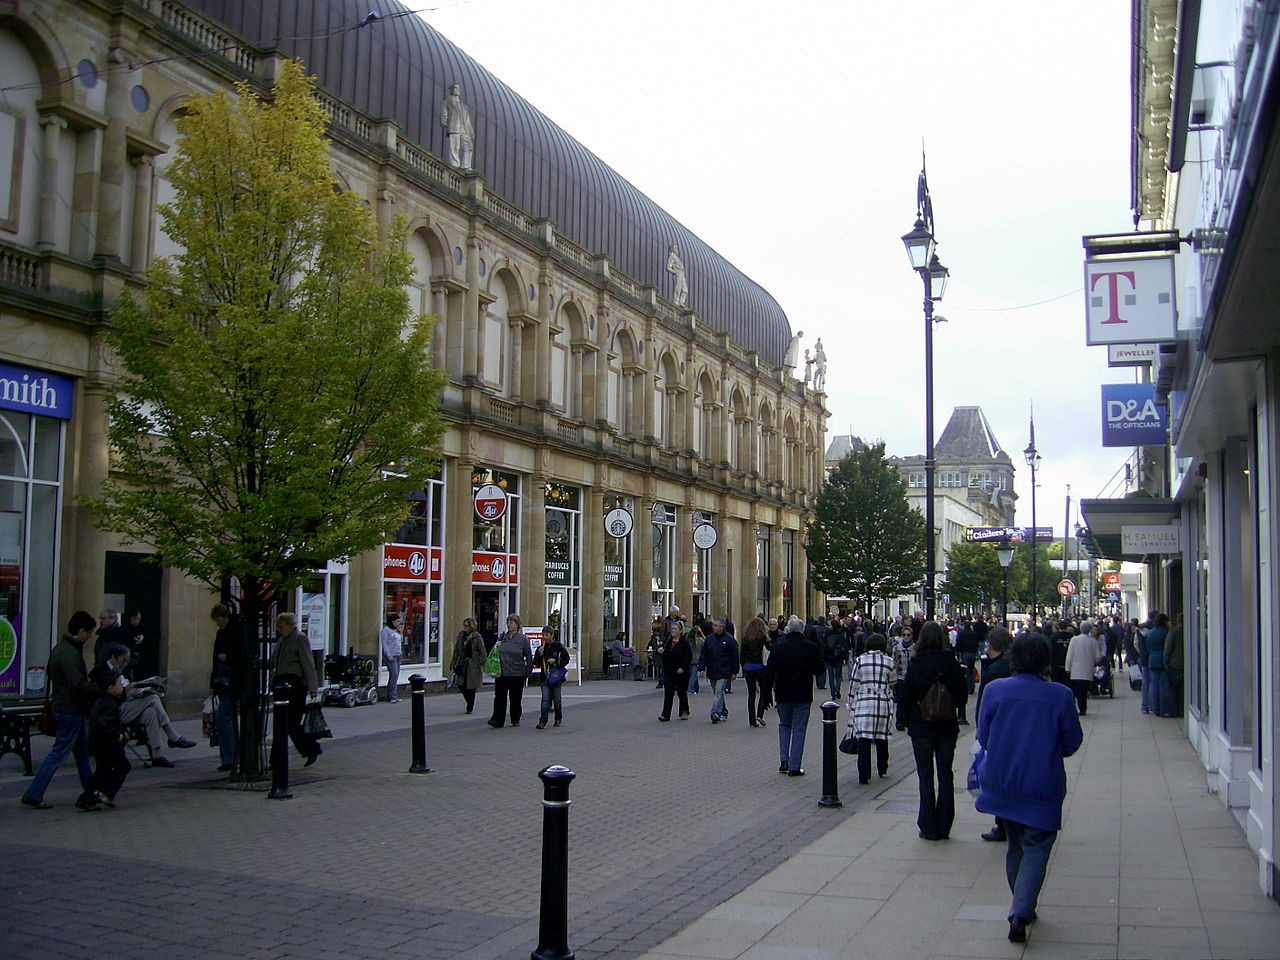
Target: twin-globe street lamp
{"points": [[922, 251], [1004, 553], [1033, 458]]}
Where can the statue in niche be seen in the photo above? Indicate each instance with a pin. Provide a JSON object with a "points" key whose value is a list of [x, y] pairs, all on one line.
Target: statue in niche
{"points": [[460, 133], [675, 267], [792, 357], [819, 366]]}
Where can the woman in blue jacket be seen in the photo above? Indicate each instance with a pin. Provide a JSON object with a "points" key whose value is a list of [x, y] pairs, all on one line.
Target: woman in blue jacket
{"points": [[1027, 726]]}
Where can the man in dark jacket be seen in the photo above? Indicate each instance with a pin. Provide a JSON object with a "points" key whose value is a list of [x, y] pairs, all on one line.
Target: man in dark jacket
{"points": [[995, 666], [835, 652], [719, 660], [794, 662], [71, 695]]}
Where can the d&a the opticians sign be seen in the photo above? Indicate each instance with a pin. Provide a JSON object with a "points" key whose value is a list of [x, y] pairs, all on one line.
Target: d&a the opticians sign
{"points": [[400, 562], [490, 501], [1130, 301], [1131, 417], [489, 567]]}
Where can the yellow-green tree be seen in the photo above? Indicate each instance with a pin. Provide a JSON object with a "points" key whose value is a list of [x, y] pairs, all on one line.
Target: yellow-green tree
{"points": [[274, 367]]}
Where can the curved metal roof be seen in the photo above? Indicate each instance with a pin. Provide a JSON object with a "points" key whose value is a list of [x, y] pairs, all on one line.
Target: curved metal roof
{"points": [[401, 68]]}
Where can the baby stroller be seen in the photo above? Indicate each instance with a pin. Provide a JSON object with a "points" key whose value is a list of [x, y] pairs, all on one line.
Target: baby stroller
{"points": [[1104, 684], [351, 680]]}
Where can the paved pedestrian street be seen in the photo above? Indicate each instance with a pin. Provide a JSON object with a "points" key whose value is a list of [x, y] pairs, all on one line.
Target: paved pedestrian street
{"points": [[667, 821]]}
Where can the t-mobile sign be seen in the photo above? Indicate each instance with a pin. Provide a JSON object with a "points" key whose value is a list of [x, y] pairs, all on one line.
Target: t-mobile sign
{"points": [[1130, 301]]}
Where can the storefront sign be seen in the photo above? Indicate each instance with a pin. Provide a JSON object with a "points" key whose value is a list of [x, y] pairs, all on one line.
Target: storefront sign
{"points": [[1131, 417], [618, 523], [1111, 580], [1131, 354], [1146, 539], [35, 391], [494, 567], [1130, 301], [491, 502], [613, 576], [400, 562], [1012, 534], [10, 662], [560, 573]]}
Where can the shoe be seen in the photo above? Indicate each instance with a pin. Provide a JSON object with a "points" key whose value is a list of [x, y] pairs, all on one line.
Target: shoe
{"points": [[556, 724], [796, 773], [35, 804], [783, 768], [760, 722], [963, 722], [103, 799], [664, 719], [494, 723], [1017, 930], [515, 723], [88, 806], [715, 718], [927, 836], [182, 743], [752, 724], [684, 716], [864, 782], [224, 767], [995, 835], [541, 725], [312, 759], [161, 762]]}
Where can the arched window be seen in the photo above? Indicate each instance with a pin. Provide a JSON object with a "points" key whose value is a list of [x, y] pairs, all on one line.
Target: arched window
{"points": [[562, 393], [494, 341]]}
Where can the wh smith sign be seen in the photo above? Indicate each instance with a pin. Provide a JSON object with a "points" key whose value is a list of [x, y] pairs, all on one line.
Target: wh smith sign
{"points": [[1131, 417], [34, 391]]}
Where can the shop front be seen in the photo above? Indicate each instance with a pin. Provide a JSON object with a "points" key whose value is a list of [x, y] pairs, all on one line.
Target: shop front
{"points": [[619, 521], [495, 550], [34, 409], [413, 586]]}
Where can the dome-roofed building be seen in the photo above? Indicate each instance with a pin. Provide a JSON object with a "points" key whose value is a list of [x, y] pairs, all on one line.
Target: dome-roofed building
{"points": [[397, 67], [590, 373]]}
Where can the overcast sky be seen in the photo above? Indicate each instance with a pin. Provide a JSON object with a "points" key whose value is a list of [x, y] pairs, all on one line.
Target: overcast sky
{"points": [[788, 136]]}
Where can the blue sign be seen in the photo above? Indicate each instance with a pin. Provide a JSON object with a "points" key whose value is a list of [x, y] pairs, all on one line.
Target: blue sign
{"points": [[1131, 417], [35, 391]]}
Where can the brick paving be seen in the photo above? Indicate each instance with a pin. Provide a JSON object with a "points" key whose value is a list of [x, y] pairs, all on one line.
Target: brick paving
{"points": [[667, 822]]}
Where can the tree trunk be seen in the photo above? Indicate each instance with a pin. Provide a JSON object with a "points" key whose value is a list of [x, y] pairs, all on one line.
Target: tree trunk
{"points": [[252, 728]]}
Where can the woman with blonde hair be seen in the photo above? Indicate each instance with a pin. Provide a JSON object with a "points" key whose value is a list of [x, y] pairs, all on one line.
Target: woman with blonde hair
{"points": [[468, 662]]}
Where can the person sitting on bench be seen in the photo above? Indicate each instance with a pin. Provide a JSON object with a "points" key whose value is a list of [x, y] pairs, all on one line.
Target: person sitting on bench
{"points": [[143, 705]]}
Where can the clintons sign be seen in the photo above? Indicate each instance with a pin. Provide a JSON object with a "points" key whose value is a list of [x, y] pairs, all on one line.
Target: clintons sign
{"points": [[1130, 301]]}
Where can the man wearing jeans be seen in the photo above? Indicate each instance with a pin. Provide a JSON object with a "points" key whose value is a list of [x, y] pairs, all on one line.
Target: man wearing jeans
{"points": [[720, 661], [794, 663], [1027, 726], [71, 694]]}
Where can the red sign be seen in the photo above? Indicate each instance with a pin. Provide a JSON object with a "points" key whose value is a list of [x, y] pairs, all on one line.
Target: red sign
{"points": [[1066, 588], [400, 562], [494, 567], [491, 502], [1111, 581]]}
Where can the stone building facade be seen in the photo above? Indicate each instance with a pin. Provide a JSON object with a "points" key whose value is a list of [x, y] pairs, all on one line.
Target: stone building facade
{"points": [[588, 373]]}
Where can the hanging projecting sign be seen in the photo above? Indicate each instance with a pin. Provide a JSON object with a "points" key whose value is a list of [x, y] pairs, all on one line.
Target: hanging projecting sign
{"points": [[1012, 534], [1131, 354], [1130, 301], [617, 523], [1131, 417], [705, 536], [491, 502]]}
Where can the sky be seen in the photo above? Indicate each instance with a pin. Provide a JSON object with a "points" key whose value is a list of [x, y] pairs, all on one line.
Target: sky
{"points": [[789, 137]]}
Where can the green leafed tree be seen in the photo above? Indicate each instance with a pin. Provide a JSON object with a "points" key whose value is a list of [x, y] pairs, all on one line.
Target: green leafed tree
{"points": [[273, 368], [975, 577], [865, 540]]}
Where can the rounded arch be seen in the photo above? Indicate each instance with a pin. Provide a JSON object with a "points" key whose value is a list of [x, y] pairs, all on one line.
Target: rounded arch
{"points": [[508, 272], [46, 51]]}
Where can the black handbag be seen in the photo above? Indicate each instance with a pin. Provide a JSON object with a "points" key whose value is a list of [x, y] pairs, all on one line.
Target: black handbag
{"points": [[313, 722], [849, 744]]}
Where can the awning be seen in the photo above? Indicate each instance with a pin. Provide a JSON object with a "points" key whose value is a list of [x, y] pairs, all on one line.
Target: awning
{"points": [[1106, 517]]}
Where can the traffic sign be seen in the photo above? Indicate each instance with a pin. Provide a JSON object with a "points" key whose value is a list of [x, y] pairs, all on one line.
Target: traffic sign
{"points": [[1066, 588]]}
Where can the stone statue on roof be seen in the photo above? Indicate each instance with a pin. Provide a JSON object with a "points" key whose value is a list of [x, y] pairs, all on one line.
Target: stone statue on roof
{"points": [[675, 267], [792, 357], [460, 133], [819, 366]]}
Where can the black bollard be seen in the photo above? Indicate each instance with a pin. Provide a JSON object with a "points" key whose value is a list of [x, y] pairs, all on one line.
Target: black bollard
{"points": [[553, 917], [418, 686], [830, 760], [280, 743]]}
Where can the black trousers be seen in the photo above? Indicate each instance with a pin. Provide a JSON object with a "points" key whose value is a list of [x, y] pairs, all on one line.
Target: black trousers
{"points": [[507, 690], [758, 682], [110, 767], [468, 697], [1081, 689], [672, 688], [864, 758], [937, 804], [306, 744]]}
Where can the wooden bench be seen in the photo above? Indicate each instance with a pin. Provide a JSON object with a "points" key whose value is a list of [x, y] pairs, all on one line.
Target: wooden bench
{"points": [[18, 718]]}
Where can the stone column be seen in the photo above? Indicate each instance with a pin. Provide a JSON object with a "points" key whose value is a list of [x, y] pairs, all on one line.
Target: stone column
{"points": [[457, 553], [591, 653], [52, 128], [440, 339], [533, 551], [516, 353], [144, 171], [579, 390], [112, 167], [777, 572], [473, 316]]}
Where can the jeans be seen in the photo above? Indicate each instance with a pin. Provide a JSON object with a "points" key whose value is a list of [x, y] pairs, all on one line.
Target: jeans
{"points": [[835, 673], [1025, 863], [393, 676], [72, 737], [226, 727], [1146, 689], [793, 723], [718, 709], [693, 681], [937, 808], [1159, 690], [551, 698]]}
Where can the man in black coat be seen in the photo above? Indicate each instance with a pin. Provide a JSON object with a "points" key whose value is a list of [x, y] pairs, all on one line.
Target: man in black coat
{"points": [[995, 665], [794, 662]]}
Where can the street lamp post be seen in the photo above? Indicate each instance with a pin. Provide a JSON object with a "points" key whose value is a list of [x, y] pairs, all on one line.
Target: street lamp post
{"points": [[922, 251], [1033, 461], [1004, 553]]}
